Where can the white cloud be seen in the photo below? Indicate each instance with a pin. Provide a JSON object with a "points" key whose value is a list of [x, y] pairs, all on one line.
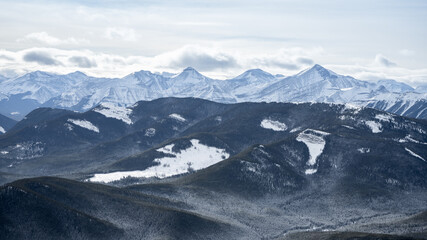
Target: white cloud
{"points": [[286, 60], [380, 60], [125, 34], [203, 59], [45, 38]]}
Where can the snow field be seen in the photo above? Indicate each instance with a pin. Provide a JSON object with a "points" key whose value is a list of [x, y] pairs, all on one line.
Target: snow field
{"points": [[110, 110], [273, 125], [194, 158], [315, 143], [84, 124]]}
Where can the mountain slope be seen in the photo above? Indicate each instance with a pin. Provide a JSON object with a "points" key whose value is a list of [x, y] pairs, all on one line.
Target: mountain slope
{"points": [[63, 209], [6, 124], [195, 169], [109, 138]]}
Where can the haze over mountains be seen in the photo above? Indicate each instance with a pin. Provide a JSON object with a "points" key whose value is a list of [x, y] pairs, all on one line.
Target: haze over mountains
{"points": [[76, 91]]}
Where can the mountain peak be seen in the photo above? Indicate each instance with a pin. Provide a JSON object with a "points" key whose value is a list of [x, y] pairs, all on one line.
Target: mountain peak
{"points": [[318, 66], [38, 74], [190, 72], [258, 71], [318, 69], [77, 73], [189, 69], [142, 72], [256, 74]]}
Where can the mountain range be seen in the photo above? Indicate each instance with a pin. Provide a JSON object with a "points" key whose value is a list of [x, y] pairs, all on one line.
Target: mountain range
{"points": [[189, 168], [316, 155], [79, 92]]}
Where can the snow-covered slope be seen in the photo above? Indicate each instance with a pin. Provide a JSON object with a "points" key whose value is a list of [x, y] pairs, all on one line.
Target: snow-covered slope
{"points": [[195, 157], [76, 91]]}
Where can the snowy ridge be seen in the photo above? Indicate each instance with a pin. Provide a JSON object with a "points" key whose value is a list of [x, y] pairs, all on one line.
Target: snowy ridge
{"points": [[414, 154], [110, 110], [314, 140], [84, 124], [273, 125], [77, 91], [194, 158], [408, 138], [2, 130], [177, 117]]}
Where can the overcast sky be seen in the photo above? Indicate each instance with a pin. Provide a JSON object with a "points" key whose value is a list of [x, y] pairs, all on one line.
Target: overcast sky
{"points": [[366, 39]]}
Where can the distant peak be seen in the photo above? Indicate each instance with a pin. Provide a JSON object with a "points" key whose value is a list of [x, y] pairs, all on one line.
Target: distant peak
{"points": [[190, 69], [142, 72], [77, 73], [318, 67], [38, 73], [254, 72], [258, 71]]}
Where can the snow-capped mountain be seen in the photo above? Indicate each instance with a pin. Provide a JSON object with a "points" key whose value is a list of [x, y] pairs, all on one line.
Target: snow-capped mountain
{"points": [[316, 84], [79, 92], [394, 86], [248, 84], [190, 83]]}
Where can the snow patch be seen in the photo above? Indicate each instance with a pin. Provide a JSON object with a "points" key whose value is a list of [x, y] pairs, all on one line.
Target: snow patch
{"points": [[84, 124], [310, 171], [295, 129], [315, 142], [408, 138], [69, 126], [150, 132], [346, 117], [196, 157], [110, 110], [354, 108], [15, 113], [2, 130], [364, 150], [392, 181], [177, 117], [414, 154], [374, 126], [273, 125], [349, 127], [384, 117], [25, 150]]}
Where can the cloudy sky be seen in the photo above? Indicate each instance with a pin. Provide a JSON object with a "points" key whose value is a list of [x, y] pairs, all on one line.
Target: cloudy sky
{"points": [[366, 39]]}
